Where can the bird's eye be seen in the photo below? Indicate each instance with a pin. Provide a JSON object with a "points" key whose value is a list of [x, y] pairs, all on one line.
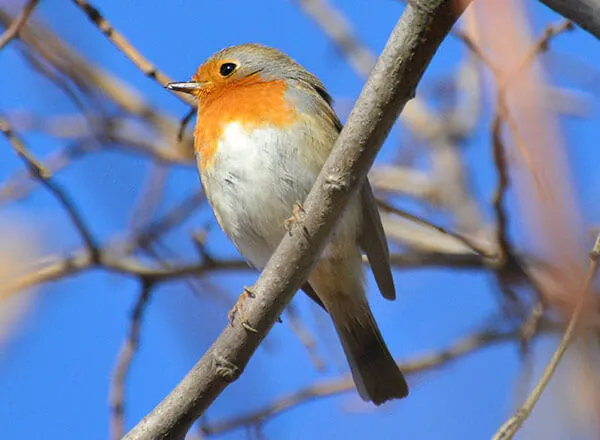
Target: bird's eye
{"points": [[227, 69]]}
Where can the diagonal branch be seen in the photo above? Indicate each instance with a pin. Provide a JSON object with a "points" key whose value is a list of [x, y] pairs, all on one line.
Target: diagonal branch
{"points": [[586, 13], [15, 27], [392, 83], [115, 37]]}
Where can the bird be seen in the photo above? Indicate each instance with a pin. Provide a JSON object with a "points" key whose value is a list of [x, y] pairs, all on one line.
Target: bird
{"points": [[264, 129]]}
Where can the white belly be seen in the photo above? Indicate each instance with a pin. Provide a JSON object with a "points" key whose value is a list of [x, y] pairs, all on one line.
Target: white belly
{"points": [[254, 181]]}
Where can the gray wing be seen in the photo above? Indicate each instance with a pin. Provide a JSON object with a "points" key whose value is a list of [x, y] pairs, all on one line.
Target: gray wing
{"points": [[374, 244], [372, 238]]}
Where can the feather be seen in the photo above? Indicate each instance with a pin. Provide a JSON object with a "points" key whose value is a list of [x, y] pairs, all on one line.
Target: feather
{"points": [[373, 242]]}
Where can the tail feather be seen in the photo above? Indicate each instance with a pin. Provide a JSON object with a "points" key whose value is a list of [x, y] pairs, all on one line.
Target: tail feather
{"points": [[338, 284], [375, 373]]}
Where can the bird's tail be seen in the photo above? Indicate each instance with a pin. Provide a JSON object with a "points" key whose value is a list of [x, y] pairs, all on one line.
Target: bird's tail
{"points": [[338, 284], [375, 373]]}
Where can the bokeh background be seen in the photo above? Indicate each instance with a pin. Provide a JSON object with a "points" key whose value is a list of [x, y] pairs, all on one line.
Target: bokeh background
{"points": [[59, 340]]}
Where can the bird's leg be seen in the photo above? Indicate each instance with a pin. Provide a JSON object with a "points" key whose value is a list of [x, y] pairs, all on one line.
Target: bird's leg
{"points": [[237, 310], [297, 216]]}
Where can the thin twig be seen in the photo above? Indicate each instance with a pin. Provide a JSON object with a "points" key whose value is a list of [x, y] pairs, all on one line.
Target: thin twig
{"points": [[43, 175], [15, 27], [20, 184], [34, 167], [586, 13], [501, 115], [121, 43], [173, 218], [184, 122], [510, 428], [123, 364], [501, 163]]}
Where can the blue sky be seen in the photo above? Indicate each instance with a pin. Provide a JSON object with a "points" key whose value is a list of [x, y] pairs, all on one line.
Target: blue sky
{"points": [[54, 373]]}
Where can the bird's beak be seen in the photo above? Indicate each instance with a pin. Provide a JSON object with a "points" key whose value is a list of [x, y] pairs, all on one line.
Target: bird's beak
{"points": [[185, 87]]}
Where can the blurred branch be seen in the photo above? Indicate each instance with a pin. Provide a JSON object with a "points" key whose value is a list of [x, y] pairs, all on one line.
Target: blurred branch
{"points": [[145, 235], [500, 161], [305, 337], [444, 134], [58, 268], [402, 180], [151, 194], [114, 132], [361, 58], [15, 27], [585, 13], [414, 41], [418, 260], [504, 78], [467, 242], [21, 183], [502, 115], [123, 364], [510, 428], [340, 31], [44, 177], [60, 62], [468, 345], [79, 261]]}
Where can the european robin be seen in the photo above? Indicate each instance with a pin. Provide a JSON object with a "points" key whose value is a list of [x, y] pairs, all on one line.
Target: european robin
{"points": [[264, 130]]}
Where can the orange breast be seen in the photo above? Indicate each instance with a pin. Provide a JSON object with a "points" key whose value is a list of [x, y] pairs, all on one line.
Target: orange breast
{"points": [[250, 103]]}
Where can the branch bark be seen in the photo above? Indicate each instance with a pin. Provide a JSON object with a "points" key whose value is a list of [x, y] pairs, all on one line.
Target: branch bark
{"points": [[585, 13], [392, 83]]}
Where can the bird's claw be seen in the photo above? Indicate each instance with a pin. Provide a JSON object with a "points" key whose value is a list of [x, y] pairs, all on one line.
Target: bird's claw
{"points": [[297, 215], [237, 310]]}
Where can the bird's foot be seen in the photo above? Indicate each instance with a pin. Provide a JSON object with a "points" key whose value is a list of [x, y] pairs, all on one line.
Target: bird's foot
{"points": [[237, 310], [297, 216]]}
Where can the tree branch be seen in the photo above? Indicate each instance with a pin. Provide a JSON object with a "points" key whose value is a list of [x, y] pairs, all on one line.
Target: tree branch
{"points": [[15, 27], [393, 81], [43, 175], [121, 43], [585, 13], [123, 364]]}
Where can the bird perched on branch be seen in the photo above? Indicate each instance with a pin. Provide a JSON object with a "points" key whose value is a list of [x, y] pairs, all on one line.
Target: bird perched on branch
{"points": [[264, 130]]}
